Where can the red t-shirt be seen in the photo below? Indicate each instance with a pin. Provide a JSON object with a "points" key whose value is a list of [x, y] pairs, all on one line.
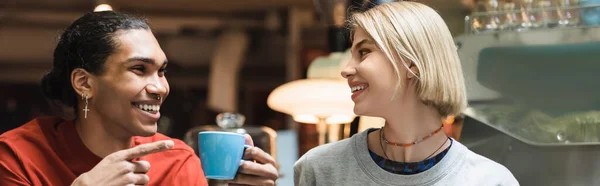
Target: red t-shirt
{"points": [[48, 151]]}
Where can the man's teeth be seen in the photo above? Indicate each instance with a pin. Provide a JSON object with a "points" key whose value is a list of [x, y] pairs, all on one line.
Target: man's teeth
{"points": [[359, 87], [147, 107]]}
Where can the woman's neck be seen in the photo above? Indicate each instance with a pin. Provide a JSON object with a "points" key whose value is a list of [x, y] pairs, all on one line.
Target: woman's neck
{"points": [[407, 125], [98, 137]]}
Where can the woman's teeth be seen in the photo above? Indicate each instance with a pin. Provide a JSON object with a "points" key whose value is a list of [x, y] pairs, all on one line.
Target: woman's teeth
{"points": [[148, 108], [358, 87]]}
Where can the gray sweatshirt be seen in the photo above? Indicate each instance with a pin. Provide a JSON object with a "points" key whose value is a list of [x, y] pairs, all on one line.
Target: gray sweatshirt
{"points": [[348, 163]]}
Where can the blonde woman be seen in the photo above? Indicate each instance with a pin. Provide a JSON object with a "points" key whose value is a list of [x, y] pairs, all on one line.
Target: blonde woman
{"points": [[405, 69]]}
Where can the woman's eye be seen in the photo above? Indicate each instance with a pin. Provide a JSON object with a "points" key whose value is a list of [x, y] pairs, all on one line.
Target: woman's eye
{"points": [[363, 52]]}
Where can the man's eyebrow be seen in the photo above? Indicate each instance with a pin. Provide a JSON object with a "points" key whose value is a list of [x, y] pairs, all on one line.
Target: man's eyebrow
{"points": [[146, 60]]}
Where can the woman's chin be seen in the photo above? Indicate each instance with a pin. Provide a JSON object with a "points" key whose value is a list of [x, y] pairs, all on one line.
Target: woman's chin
{"points": [[360, 111], [363, 111]]}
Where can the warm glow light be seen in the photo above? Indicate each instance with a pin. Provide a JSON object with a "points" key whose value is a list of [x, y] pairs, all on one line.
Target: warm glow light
{"points": [[309, 99], [103, 7], [323, 98], [367, 122], [329, 66], [333, 119]]}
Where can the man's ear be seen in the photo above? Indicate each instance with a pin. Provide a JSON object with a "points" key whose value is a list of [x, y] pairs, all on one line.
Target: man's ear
{"points": [[82, 82]]}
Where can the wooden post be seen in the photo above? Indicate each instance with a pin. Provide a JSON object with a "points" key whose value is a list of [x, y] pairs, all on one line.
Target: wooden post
{"points": [[292, 61], [225, 66]]}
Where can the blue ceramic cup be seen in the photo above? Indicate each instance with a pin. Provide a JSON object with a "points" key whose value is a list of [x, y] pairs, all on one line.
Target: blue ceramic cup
{"points": [[221, 154]]}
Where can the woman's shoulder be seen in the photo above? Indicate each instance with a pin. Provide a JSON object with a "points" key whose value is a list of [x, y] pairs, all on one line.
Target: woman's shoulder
{"points": [[326, 154], [343, 147], [479, 166], [333, 149], [480, 162], [328, 162], [322, 157]]}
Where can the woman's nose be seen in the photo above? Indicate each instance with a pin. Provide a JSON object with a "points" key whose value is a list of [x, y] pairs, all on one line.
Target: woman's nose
{"points": [[348, 71]]}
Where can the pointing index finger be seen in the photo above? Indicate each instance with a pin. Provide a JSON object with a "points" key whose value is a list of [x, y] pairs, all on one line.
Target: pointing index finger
{"points": [[144, 149]]}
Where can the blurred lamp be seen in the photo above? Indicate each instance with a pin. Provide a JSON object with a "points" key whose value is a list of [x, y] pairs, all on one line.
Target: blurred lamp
{"points": [[103, 7], [321, 99]]}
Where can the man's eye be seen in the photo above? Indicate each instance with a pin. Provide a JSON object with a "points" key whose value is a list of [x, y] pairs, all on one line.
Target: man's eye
{"points": [[140, 69]]}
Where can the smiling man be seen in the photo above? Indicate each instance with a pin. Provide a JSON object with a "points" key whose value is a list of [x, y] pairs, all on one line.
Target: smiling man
{"points": [[110, 69]]}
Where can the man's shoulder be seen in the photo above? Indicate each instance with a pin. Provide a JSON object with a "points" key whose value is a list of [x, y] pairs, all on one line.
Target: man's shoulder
{"points": [[31, 128], [26, 144], [29, 134]]}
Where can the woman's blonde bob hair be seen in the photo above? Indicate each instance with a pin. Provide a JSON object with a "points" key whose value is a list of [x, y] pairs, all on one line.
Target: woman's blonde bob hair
{"points": [[410, 32]]}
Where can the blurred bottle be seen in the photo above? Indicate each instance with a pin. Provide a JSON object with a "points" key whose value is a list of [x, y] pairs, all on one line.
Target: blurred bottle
{"points": [[546, 14], [529, 19], [511, 18], [493, 21], [479, 19], [231, 122], [568, 16]]}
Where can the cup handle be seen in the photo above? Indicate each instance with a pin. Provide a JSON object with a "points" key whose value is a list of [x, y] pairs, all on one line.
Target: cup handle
{"points": [[245, 147]]}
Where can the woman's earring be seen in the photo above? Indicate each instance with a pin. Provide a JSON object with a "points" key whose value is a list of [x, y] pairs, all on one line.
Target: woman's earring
{"points": [[85, 109]]}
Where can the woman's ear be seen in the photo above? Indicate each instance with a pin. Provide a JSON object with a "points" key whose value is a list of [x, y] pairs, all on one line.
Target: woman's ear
{"points": [[82, 82], [413, 71]]}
